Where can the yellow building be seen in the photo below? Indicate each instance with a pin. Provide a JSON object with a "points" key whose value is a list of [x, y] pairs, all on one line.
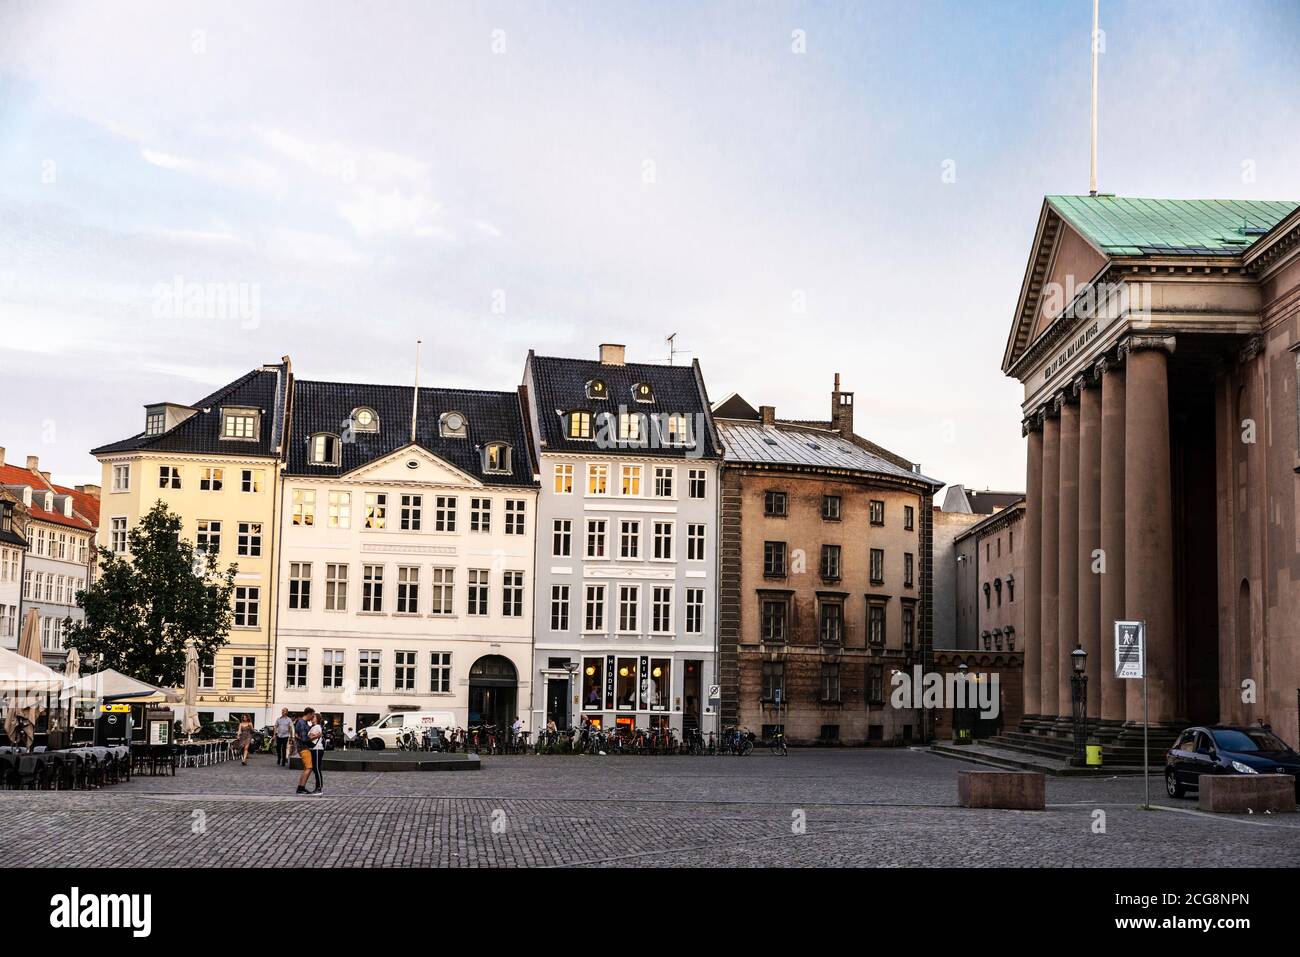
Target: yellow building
{"points": [[217, 464]]}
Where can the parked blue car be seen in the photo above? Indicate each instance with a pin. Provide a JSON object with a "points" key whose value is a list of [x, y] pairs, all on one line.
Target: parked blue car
{"points": [[1220, 749]]}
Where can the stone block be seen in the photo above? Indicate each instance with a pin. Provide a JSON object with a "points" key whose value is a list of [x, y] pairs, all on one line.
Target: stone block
{"points": [[1244, 793], [1011, 790]]}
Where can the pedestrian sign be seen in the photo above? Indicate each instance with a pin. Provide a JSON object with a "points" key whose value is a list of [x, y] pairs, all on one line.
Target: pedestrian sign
{"points": [[1130, 649]]}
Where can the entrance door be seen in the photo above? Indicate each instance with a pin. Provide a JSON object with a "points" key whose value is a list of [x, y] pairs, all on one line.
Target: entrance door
{"points": [[691, 702], [493, 691], [557, 701]]}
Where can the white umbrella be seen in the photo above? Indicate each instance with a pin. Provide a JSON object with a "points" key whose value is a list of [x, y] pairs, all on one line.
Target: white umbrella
{"points": [[29, 643], [191, 723]]}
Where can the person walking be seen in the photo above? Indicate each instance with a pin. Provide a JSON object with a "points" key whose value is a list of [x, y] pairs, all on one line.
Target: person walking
{"points": [[302, 744], [317, 736], [244, 738], [283, 731]]}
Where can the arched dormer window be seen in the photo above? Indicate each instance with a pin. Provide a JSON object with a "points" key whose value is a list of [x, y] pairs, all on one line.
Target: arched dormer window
{"points": [[997, 586], [496, 458], [453, 425], [643, 392], [578, 424], [988, 596], [324, 449], [364, 419], [596, 389], [631, 427], [48, 504]]}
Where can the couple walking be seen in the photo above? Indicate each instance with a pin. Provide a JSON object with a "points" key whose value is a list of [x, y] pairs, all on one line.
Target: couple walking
{"points": [[308, 741]]}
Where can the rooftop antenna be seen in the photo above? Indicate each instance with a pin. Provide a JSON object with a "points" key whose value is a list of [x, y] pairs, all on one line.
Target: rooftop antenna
{"points": [[1092, 172], [415, 401], [672, 348]]}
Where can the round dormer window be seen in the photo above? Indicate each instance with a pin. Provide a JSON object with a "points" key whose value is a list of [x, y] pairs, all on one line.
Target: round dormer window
{"points": [[412, 463], [455, 422]]}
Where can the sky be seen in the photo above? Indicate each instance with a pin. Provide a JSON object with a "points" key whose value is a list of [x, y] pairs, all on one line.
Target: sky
{"points": [[191, 189]]}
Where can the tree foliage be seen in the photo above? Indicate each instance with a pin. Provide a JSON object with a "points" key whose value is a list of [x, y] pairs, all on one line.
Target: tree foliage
{"points": [[145, 605]]}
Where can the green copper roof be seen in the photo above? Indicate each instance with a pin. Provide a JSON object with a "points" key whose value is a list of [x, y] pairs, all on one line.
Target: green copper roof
{"points": [[1123, 226]]}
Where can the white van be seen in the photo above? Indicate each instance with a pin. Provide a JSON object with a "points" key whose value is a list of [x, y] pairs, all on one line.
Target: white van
{"points": [[383, 733]]}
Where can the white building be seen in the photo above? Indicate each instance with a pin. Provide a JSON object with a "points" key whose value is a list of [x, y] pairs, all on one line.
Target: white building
{"points": [[405, 564]]}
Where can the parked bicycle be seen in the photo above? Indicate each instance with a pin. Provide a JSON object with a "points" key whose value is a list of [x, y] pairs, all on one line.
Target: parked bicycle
{"points": [[777, 744]]}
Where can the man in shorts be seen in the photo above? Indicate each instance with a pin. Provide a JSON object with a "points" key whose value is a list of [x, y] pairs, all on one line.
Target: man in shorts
{"points": [[302, 744]]}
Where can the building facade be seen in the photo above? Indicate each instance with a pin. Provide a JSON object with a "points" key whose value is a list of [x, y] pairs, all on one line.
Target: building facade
{"points": [[962, 508], [826, 577], [405, 565], [215, 463], [626, 597], [59, 561], [13, 557], [1158, 342]]}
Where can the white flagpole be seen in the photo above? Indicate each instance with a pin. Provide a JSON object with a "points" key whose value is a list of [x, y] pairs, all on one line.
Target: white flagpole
{"points": [[415, 399]]}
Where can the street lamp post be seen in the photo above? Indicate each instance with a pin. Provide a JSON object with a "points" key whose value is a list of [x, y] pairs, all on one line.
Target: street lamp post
{"points": [[571, 667], [1079, 698], [960, 730]]}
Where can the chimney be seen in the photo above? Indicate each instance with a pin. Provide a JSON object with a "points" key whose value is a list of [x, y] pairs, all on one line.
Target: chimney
{"points": [[841, 409], [2, 455], [767, 413], [46, 476], [33, 463], [611, 354], [91, 490]]}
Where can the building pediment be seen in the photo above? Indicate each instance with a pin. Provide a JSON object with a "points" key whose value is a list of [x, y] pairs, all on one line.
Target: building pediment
{"points": [[413, 464]]}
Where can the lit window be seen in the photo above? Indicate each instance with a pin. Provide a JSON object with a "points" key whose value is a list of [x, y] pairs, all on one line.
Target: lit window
{"points": [[579, 425], [596, 389], [211, 480], [304, 506], [597, 479], [643, 392], [239, 424], [631, 475], [324, 449], [564, 480], [497, 458]]}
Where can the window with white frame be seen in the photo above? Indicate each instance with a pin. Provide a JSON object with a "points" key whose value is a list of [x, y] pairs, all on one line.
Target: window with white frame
{"points": [[340, 509], [664, 480], [324, 449], [408, 589], [248, 606], [28, 583], [480, 514], [300, 586], [207, 537], [663, 541], [411, 508], [597, 529], [695, 542], [122, 477], [404, 671], [368, 669], [336, 587], [444, 591], [440, 672], [631, 479], [239, 424], [117, 537], [629, 538], [496, 458], [444, 513], [372, 588], [295, 668], [579, 425], [169, 476], [249, 541], [376, 509], [243, 673], [661, 609], [211, 479], [562, 537], [593, 613], [697, 480], [207, 676], [695, 611], [304, 506], [515, 509], [154, 422], [629, 609], [559, 608], [251, 480], [597, 478], [332, 668], [563, 479], [630, 426], [512, 594], [477, 592], [677, 429]]}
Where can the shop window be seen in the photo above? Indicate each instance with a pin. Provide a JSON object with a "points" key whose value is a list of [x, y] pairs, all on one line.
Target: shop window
{"points": [[593, 683], [625, 684]]}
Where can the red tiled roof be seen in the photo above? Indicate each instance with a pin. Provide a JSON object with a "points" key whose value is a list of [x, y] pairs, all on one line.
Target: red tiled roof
{"points": [[84, 516]]}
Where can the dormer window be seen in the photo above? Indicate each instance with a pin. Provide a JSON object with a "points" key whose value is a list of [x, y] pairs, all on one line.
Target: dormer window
{"points": [[154, 420], [452, 425], [49, 502], [630, 427], [496, 458], [643, 392], [238, 423], [579, 425], [324, 449], [596, 389], [364, 420], [676, 429]]}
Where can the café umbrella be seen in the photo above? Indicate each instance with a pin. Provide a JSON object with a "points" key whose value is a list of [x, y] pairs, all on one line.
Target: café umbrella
{"points": [[191, 689]]}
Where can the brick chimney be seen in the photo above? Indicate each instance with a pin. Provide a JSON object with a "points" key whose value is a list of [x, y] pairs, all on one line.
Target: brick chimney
{"points": [[767, 413], [841, 409], [612, 354], [33, 463], [2, 455], [91, 490]]}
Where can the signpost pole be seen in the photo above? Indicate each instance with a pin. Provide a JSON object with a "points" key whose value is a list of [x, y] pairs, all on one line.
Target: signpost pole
{"points": [[1146, 730]]}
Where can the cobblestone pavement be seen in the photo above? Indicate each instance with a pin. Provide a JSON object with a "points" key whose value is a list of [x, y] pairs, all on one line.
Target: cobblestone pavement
{"points": [[857, 808]]}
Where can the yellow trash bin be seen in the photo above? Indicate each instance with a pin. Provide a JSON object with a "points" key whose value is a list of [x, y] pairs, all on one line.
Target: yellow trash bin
{"points": [[1094, 755]]}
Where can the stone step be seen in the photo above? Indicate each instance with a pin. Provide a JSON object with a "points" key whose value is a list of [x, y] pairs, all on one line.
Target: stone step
{"points": [[993, 756]]}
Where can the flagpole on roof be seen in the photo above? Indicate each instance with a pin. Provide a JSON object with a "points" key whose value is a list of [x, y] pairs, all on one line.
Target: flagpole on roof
{"points": [[1092, 172], [415, 401]]}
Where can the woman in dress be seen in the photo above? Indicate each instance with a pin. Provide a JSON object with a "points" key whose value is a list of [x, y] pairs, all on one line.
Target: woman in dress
{"points": [[245, 737]]}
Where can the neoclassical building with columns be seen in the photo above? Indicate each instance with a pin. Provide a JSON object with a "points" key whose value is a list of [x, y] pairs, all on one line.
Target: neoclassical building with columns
{"points": [[1158, 342]]}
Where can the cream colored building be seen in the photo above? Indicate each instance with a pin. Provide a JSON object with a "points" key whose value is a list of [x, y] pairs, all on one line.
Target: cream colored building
{"points": [[216, 463]]}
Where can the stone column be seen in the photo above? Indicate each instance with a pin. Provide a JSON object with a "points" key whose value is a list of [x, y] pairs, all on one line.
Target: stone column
{"points": [[1149, 522], [1067, 541], [1049, 568], [1085, 386], [1029, 588], [1111, 375]]}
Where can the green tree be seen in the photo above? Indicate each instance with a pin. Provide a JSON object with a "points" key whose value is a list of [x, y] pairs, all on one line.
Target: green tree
{"points": [[145, 606]]}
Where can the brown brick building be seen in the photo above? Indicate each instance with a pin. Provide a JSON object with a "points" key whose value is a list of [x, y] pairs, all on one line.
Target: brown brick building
{"points": [[826, 577]]}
